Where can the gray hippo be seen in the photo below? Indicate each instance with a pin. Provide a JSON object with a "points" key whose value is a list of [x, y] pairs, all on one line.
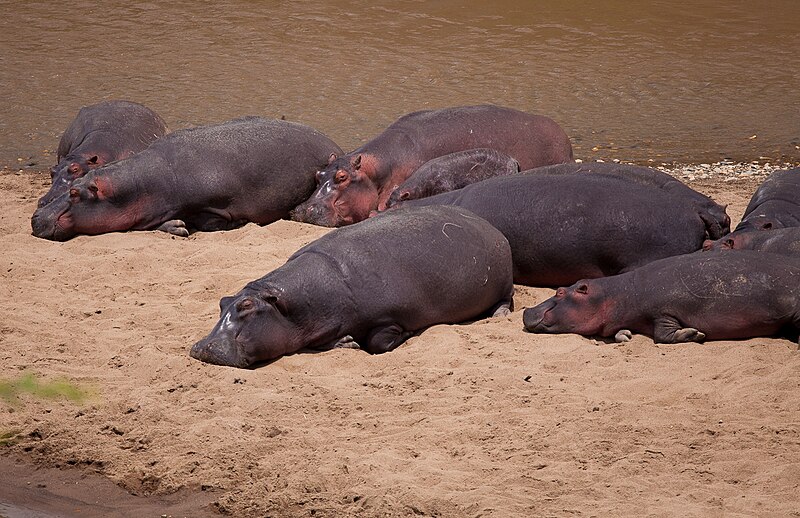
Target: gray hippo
{"points": [[206, 178], [102, 133], [775, 204], [718, 223], [376, 283], [360, 182], [562, 228], [784, 241], [454, 171], [687, 298]]}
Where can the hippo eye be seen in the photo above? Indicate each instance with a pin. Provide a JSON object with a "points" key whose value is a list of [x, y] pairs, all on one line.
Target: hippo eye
{"points": [[340, 177], [244, 305], [729, 243]]}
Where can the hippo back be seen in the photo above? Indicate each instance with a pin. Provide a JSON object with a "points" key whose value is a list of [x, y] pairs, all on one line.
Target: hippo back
{"points": [[562, 228]]}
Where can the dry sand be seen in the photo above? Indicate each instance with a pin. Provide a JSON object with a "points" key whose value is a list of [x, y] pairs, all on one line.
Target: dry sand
{"points": [[462, 420]]}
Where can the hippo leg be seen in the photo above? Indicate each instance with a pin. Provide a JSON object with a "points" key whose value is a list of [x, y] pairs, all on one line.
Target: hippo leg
{"points": [[623, 335], [174, 226], [345, 342], [503, 309], [384, 339], [669, 331]]}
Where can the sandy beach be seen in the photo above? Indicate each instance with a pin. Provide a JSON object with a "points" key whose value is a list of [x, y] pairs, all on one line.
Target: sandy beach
{"points": [[477, 420]]}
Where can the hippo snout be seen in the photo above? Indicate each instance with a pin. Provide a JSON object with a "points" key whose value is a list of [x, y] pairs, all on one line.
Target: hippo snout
{"points": [[314, 213], [219, 350], [533, 318]]}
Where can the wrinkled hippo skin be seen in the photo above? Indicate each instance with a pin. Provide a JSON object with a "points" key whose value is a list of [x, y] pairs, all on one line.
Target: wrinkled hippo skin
{"points": [[99, 134], [206, 178], [681, 299], [784, 241], [360, 182], [775, 204], [376, 283], [454, 171], [562, 228], [718, 223]]}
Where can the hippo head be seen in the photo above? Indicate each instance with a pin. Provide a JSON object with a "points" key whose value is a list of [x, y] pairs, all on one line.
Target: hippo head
{"points": [[67, 171], [580, 308], [726, 243], [345, 194], [253, 327], [398, 196], [80, 210], [760, 222]]}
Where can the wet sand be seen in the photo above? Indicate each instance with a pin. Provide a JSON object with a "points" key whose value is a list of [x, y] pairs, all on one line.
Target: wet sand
{"points": [[464, 420]]}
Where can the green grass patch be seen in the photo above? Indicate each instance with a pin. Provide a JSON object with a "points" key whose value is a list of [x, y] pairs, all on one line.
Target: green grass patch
{"points": [[10, 390]]}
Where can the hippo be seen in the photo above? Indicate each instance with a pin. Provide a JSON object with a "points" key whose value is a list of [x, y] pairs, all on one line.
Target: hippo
{"points": [[686, 298], [562, 228], [214, 177], [775, 204], [373, 284], [102, 133], [354, 185], [718, 223], [454, 171], [784, 241]]}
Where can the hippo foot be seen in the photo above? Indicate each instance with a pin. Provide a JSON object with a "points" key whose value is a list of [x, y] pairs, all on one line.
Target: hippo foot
{"points": [[384, 339], [623, 335], [689, 334], [175, 227], [503, 310], [345, 342]]}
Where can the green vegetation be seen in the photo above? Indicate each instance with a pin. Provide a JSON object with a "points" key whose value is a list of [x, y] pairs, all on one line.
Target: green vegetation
{"points": [[10, 390]]}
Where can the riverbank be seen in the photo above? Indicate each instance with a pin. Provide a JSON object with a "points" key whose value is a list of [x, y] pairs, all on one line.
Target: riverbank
{"points": [[467, 420]]}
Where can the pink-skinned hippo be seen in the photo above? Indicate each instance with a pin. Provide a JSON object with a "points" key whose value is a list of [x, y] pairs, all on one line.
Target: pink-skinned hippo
{"points": [[214, 177], [686, 298], [784, 241], [718, 223], [565, 227], [99, 134], [454, 171], [354, 185], [775, 204], [373, 284]]}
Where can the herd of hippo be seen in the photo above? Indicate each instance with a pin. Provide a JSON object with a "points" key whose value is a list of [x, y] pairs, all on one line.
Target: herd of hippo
{"points": [[441, 214]]}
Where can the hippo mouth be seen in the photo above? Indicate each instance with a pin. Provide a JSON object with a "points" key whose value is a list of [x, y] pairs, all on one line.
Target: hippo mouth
{"points": [[535, 319], [220, 350], [52, 224]]}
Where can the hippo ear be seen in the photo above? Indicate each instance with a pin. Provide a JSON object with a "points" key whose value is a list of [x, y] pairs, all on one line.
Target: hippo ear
{"points": [[224, 302], [332, 158], [767, 226], [404, 195], [582, 288], [93, 160], [357, 163], [274, 301]]}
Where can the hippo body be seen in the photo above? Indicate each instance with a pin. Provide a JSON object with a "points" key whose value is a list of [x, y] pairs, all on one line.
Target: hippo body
{"points": [[681, 299], [376, 283], [454, 171], [784, 241], [99, 134], [562, 228], [718, 223], [355, 184], [775, 204], [207, 178]]}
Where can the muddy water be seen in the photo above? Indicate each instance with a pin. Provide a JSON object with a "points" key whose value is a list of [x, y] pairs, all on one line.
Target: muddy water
{"points": [[668, 81]]}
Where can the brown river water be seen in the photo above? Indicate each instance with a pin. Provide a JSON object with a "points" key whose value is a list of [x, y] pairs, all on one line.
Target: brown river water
{"points": [[663, 81]]}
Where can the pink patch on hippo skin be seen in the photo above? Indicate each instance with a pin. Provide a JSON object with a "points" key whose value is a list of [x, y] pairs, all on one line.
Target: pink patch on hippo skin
{"points": [[105, 188]]}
